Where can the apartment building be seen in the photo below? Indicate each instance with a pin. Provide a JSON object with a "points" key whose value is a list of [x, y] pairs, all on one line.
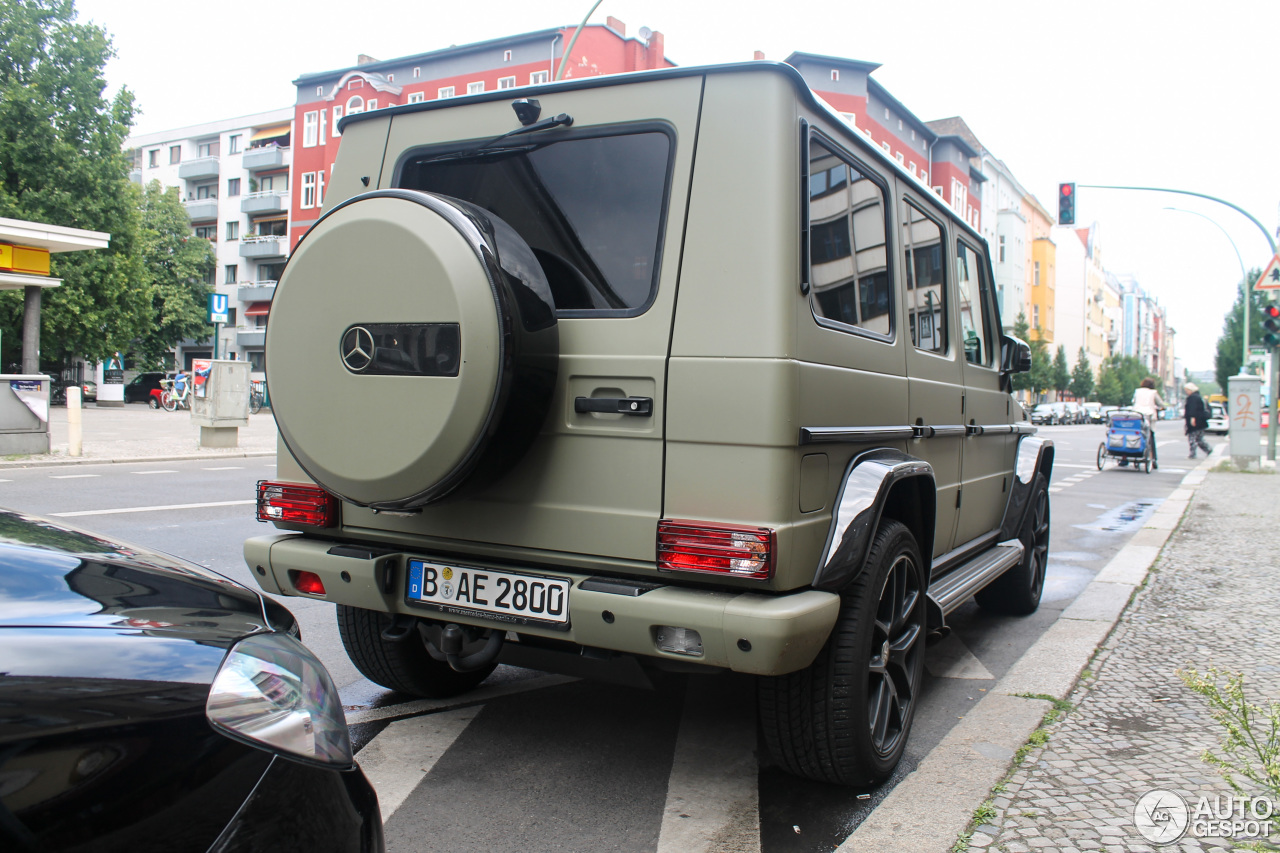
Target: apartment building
{"points": [[233, 177]]}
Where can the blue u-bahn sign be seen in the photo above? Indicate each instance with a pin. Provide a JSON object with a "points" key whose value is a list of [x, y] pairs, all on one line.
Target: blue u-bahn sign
{"points": [[217, 308]]}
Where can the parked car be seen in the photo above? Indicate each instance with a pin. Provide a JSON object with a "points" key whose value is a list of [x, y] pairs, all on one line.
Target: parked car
{"points": [[1093, 411], [58, 391], [144, 388], [1044, 415], [1219, 421], [148, 703], [1074, 413], [761, 476]]}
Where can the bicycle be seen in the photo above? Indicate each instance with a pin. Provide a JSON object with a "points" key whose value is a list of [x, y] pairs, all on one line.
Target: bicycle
{"points": [[257, 396], [171, 400]]}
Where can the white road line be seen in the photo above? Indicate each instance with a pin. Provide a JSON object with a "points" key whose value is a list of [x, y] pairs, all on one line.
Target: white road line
{"points": [[1055, 488], [6, 481], [405, 751], [72, 476], [1057, 465], [162, 471], [951, 658], [713, 801], [225, 468], [148, 508]]}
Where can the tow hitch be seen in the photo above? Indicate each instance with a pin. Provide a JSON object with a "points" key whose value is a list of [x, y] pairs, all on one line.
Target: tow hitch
{"points": [[448, 642]]}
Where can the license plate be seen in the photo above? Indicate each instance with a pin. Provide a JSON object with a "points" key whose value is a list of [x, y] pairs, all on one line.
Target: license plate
{"points": [[505, 596]]}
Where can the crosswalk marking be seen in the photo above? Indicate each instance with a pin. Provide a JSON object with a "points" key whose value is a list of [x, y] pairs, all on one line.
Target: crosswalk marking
{"points": [[713, 800], [404, 752], [225, 468], [72, 476], [123, 510], [163, 471]]}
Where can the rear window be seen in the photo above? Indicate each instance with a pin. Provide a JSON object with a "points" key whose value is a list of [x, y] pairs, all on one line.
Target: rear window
{"points": [[591, 208]]}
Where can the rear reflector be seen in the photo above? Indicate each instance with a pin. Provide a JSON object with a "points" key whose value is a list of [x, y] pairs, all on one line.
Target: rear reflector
{"points": [[296, 503], [722, 549], [308, 582]]}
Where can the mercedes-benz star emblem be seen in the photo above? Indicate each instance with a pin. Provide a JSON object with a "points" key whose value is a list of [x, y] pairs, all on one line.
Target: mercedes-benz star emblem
{"points": [[357, 348]]}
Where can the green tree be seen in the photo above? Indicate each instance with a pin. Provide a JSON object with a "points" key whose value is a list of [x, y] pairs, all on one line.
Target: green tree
{"points": [[176, 266], [1118, 378], [61, 162], [1227, 359], [1061, 375], [1082, 376]]}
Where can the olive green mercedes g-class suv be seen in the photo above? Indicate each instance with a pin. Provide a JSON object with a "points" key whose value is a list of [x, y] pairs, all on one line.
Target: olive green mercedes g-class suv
{"points": [[660, 370]]}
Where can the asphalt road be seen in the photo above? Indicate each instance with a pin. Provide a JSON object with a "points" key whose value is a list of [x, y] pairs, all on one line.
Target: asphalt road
{"points": [[540, 762]]}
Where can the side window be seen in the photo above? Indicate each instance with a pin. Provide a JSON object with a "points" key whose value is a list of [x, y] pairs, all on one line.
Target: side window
{"points": [[848, 245], [926, 280], [972, 290]]}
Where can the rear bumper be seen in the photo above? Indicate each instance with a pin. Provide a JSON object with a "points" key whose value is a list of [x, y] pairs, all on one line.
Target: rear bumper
{"points": [[745, 632]]}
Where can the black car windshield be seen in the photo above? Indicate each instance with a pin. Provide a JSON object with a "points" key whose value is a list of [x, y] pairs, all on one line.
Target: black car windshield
{"points": [[589, 207]]}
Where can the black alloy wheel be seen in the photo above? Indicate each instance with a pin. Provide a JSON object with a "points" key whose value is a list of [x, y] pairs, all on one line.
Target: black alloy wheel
{"points": [[892, 672], [1017, 592]]}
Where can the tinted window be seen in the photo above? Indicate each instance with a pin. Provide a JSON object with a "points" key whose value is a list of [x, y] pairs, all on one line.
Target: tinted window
{"points": [[590, 208], [926, 280], [848, 251], [973, 295]]}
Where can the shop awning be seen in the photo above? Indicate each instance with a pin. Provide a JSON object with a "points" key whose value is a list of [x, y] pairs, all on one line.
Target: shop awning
{"points": [[269, 133], [258, 309]]}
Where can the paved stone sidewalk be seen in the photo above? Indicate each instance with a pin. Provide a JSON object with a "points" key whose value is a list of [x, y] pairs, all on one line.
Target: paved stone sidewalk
{"points": [[1210, 600]]}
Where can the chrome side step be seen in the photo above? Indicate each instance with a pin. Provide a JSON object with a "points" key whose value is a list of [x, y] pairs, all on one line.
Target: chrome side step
{"points": [[956, 586]]}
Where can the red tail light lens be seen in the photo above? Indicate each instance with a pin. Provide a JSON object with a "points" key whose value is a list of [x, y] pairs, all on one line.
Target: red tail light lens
{"points": [[722, 549], [308, 582], [296, 503]]}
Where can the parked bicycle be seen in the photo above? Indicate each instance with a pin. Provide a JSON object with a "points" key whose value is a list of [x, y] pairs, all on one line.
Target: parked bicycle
{"points": [[171, 400], [257, 396]]}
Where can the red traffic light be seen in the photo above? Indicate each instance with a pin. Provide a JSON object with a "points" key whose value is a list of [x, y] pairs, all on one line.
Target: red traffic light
{"points": [[1066, 189], [1271, 312]]}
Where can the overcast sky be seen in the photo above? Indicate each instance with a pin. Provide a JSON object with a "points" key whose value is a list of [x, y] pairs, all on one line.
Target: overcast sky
{"points": [[1169, 94]]}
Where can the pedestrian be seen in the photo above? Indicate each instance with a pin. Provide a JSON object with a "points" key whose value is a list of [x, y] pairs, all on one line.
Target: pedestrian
{"points": [[1196, 414], [1147, 400]]}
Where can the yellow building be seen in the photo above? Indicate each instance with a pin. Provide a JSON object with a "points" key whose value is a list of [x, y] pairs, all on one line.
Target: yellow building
{"points": [[1041, 270]]}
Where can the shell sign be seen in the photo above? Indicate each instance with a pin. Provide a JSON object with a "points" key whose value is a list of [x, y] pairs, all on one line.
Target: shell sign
{"points": [[24, 259]]}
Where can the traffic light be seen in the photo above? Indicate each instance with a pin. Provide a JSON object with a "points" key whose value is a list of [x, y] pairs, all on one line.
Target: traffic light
{"points": [[1066, 204], [1271, 326]]}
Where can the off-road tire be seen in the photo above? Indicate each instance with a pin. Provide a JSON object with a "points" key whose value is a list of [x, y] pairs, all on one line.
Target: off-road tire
{"points": [[404, 665], [818, 722], [1017, 592]]}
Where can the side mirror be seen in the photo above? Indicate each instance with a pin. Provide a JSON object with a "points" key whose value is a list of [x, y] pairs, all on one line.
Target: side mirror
{"points": [[1015, 355]]}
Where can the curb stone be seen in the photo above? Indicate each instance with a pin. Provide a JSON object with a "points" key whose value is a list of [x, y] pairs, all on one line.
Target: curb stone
{"points": [[958, 775], [54, 462]]}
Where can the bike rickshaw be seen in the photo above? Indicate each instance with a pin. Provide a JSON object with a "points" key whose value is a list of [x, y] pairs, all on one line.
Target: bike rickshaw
{"points": [[1129, 440]]}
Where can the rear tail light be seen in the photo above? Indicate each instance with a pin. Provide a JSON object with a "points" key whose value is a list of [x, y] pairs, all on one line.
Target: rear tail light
{"points": [[308, 582], [722, 549], [296, 503]]}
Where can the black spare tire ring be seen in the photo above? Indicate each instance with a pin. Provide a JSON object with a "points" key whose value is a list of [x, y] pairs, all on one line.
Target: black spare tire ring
{"points": [[453, 345]]}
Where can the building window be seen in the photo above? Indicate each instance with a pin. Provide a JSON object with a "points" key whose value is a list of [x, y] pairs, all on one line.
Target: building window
{"points": [[355, 104], [233, 230], [506, 56], [897, 155], [886, 147], [391, 78], [229, 276], [153, 158], [417, 97], [911, 167], [475, 88], [337, 115], [233, 187], [207, 191], [310, 128], [886, 112], [355, 83], [446, 92], [1035, 316], [899, 124], [308, 190], [959, 197], [1002, 245], [207, 232], [835, 75], [506, 82], [233, 144], [267, 184], [319, 91], [913, 135], [417, 72], [924, 175], [538, 77], [320, 188], [175, 154], [1035, 281], [207, 149]]}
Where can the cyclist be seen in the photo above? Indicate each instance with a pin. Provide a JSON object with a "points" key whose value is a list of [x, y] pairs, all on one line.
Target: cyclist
{"points": [[1147, 400], [180, 386]]}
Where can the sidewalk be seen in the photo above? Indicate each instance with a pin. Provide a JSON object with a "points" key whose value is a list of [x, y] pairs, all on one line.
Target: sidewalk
{"points": [[1195, 588], [136, 432]]}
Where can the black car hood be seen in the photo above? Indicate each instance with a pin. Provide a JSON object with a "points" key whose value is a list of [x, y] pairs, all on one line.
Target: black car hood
{"points": [[54, 576]]}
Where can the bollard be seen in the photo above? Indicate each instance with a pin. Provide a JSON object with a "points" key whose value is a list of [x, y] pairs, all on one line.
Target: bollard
{"points": [[75, 432]]}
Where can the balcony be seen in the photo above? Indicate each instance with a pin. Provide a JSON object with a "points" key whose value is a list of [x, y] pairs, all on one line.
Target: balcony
{"points": [[267, 201], [266, 157], [251, 336], [258, 247], [202, 208], [256, 291], [199, 170], [136, 176]]}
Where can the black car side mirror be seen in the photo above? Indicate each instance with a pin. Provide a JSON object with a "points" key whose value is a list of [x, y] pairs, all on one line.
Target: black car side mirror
{"points": [[1015, 355]]}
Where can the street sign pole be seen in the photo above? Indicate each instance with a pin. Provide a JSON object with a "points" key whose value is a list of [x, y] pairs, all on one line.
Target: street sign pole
{"points": [[217, 330], [1275, 409]]}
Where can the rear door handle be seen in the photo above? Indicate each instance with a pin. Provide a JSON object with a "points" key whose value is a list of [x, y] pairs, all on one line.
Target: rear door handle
{"points": [[638, 406]]}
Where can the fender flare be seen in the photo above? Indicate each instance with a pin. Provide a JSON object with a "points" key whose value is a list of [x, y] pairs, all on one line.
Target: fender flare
{"points": [[873, 481], [1035, 456]]}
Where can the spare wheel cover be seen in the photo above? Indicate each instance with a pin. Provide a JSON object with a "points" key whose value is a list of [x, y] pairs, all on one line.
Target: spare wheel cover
{"points": [[421, 281]]}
